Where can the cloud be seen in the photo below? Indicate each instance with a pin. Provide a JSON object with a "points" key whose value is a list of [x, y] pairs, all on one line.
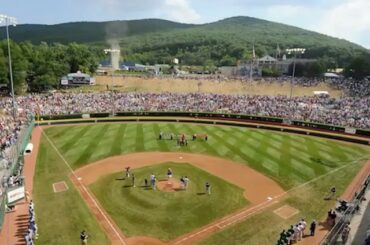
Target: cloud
{"points": [[286, 11], [180, 10], [349, 20], [176, 10]]}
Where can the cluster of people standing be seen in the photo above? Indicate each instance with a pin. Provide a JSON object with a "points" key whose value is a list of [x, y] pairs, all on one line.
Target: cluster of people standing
{"points": [[184, 180], [296, 232], [31, 234]]}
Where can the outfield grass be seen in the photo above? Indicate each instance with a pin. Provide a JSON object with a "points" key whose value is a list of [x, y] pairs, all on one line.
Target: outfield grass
{"points": [[265, 227], [142, 211], [289, 159], [60, 216]]}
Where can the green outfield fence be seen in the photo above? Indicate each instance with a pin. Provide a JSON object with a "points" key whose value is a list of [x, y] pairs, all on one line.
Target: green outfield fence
{"points": [[334, 235], [15, 165]]}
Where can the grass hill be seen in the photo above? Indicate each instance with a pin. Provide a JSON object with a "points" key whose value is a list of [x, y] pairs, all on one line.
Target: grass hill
{"points": [[224, 42]]}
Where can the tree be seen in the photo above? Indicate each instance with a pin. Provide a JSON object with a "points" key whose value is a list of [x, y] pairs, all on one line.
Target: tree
{"points": [[299, 69], [3, 69], [19, 66], [314, 69], [359, 67]]}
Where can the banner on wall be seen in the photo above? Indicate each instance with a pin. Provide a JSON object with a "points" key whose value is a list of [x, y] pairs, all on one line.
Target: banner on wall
{"points": [[15, 194], [350, 130]]}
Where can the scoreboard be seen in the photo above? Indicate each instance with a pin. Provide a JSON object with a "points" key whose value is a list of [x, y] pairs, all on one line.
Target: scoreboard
{"points": [[77, 79]]}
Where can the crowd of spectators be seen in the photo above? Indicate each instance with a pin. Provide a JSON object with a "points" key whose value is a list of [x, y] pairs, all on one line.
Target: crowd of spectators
{"points": [[350, 111], [10, 129], [347, 111]]}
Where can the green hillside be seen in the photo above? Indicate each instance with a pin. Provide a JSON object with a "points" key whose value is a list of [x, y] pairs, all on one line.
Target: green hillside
{"points": [[86, 32], [224, 42]]}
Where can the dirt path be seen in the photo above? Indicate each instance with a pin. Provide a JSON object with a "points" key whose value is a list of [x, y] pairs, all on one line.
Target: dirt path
{"points": [[258, 188], [16, 223]]}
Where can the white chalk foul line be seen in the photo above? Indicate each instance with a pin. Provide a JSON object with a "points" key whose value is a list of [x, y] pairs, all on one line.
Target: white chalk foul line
{"points": [[265, 204], [85, 189], [234, 219]]}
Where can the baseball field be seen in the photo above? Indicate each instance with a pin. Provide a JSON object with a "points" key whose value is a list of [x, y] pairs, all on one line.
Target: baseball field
{"points": [[262, 182]]}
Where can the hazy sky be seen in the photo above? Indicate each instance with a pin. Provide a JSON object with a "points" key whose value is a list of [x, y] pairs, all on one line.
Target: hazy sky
{"points": [[349, 19]]}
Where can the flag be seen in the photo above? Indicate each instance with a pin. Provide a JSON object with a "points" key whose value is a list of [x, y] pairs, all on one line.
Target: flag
{"points": [[254, 53], [278, 51]]}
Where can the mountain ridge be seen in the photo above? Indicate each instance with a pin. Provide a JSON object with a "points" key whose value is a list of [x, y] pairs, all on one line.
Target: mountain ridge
{"points": [[222, 42]]}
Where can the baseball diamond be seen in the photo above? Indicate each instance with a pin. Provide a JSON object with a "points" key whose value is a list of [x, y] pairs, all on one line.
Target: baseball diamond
{"points": [[196, 125], [252, 173]]}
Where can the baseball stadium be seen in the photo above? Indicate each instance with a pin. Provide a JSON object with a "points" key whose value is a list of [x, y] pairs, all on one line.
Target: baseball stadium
{"points": [[119, 153]]}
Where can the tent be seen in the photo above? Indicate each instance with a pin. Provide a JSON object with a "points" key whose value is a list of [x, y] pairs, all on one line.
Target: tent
{"points": [[331, 75]]}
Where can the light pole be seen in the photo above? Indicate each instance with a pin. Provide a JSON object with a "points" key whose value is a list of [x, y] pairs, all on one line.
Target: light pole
{"points": [[10, 21], [295, 51], [113, 52]]}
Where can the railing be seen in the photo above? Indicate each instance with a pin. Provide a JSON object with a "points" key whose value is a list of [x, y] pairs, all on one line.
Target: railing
{"points": [[333, 235], [15, 164]]}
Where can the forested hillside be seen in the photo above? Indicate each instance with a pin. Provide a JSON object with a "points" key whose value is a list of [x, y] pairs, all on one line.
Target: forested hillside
{"points": [[220, 43]]}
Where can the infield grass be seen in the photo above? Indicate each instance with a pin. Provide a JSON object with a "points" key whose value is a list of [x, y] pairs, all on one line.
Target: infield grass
{"points": [[288, 159], [142, 211]]}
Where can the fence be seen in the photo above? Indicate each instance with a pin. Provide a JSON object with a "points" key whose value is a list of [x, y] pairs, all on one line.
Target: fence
{"points": [[333, 236], [14, 164]]}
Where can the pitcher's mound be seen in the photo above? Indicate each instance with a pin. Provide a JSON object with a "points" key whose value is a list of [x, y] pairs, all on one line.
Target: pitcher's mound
{"points": [[169, 185]]}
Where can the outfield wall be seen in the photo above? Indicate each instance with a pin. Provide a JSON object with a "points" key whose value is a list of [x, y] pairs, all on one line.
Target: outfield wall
{"points": [[268, 123]]}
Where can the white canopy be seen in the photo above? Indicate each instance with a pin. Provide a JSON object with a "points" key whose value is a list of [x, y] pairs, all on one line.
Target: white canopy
{"points": [[331, 75]]}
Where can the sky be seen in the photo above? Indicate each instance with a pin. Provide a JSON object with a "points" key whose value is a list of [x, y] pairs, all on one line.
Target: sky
{"points": [[348, 19]]}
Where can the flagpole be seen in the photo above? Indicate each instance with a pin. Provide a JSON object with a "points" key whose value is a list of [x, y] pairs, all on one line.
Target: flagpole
{"points": [[252, 63]]}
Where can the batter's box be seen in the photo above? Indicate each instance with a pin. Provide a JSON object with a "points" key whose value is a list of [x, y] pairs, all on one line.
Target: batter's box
{"points": [[286, 211], [60, 186]]}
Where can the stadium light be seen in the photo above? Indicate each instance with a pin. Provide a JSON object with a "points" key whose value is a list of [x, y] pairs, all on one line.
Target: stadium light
{"points": [[294, 51], [9, 21]]}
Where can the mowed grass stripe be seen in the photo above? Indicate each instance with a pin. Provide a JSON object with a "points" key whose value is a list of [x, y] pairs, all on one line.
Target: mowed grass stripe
{"points": [[161, 143], [203, 144], [279, 169], [234, 148], [73, 141], [118, 139], [151, 141], [92, 146], [139, 144]]}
